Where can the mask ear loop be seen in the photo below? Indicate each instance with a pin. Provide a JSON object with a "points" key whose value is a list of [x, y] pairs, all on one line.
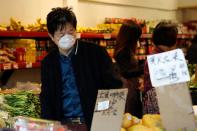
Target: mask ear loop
{"points": [[76, 48]]}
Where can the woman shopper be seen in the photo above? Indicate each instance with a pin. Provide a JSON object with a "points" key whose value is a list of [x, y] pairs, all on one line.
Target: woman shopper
{"points": [[127, 65]]}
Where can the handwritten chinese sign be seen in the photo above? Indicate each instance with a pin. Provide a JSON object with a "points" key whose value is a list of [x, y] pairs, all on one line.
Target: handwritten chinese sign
{"points": [[109, 108], [107, 101], [168, 68]]}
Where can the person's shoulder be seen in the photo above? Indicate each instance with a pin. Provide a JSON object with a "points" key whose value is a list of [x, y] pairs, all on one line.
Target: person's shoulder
{"points": [[51, 54]]}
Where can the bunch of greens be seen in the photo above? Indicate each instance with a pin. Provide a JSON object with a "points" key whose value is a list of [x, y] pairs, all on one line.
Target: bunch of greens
{"points": [[23, 103], [191, 68]]}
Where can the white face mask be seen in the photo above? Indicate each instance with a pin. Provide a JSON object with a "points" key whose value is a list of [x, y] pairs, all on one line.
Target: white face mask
{"points": [[66, 42]]}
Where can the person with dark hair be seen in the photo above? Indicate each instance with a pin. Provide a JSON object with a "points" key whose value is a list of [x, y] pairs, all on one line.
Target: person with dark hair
{"points": [[72, 73], [192, 51], [192, 55], [164, 38], [127, 65]]}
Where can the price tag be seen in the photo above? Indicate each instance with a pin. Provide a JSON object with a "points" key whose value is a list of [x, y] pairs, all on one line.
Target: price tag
{"points": [[183, 36], [146, 36], [168, 68], [78, 35], [15, 66], [104, 105], [28, 65], [7, 66], [22, 129], [195, 109], [107, 36]]}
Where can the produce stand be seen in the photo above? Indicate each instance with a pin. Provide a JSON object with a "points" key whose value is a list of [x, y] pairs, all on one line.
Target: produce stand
{"points": [[193, 92]]}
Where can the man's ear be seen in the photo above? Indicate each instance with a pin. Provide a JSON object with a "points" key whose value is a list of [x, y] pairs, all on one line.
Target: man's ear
{"points": [[51, 36]]}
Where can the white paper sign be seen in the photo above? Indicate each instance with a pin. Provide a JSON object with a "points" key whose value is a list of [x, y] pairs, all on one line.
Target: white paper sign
{"points": [[195, 109], [168, 68], [104, 105]]}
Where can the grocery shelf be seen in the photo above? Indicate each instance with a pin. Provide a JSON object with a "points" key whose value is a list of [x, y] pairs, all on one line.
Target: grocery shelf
{"points": [[141, 57], [183, 36], [105, 35], [189, 36], [96, 35], [23, 34], [146, 36], [28, 34], [20, 65]]}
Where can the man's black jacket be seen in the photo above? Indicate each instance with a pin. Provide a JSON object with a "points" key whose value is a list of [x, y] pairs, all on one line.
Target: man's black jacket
{"points": [[93, 70]]}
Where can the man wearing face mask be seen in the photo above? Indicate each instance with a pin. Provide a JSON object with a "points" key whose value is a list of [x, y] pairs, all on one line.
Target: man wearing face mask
{"points": [[72, 73]]}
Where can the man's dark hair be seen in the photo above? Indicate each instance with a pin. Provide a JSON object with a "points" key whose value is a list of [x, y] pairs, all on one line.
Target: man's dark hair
{"points": [[165, 33], [59, 17]]}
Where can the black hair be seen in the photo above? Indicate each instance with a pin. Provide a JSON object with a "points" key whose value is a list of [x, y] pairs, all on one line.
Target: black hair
{"points": [[59, 17], [192, 51], [165, 33], [127, 37]]}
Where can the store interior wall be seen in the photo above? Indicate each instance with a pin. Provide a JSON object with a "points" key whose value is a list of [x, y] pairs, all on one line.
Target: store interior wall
{"points": [[189, 14], [159, 4], [92, 13], [27, 11], [187, 3]]}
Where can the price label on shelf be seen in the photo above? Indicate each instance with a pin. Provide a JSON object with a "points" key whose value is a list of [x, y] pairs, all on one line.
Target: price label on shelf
{"points": [[146, 36], [182, 36], [7, 66], [107, 36], [15, 66], [28, 65]]}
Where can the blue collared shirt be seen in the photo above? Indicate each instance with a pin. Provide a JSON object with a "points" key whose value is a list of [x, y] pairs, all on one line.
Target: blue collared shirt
{"points": [[70, 95]]}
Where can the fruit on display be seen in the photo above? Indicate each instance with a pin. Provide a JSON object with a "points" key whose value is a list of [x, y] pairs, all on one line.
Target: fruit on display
{"points": [[123, 129], [110, 25], [193, 77], [109, 28], [139, 127], [39, 25], [16, 25], [191, 68], [3, 27], [98, 29], [87, 29], [6, 55], [127, 120], [149, 122], [2, 123]]}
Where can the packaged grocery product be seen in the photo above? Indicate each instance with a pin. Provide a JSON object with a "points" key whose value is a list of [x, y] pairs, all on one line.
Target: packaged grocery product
{"points": [[34, 124]]}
